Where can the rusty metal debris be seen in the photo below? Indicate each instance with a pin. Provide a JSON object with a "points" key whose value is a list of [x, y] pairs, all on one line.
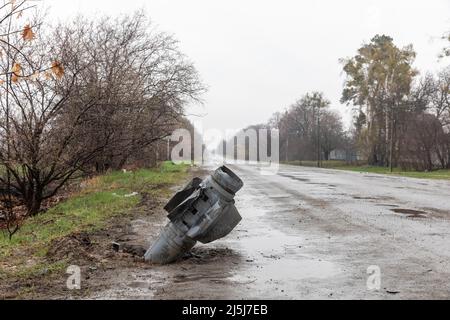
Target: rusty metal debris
{"points": [[203, 211]]}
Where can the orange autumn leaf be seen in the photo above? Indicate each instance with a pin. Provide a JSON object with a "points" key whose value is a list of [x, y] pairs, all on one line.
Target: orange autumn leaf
{"points": [[16, 70], [16, 67], [57, 69], [27, 33]]}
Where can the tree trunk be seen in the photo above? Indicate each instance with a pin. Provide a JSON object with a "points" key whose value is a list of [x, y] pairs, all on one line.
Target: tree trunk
{"points": [[441, 158], [429, 161], [448, 159], [34, 202], [391, 147]]}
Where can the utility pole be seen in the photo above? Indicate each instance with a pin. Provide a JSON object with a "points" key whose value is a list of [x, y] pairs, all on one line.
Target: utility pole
{"points": [[391, 147], [158, 145], [287, 148], [319, 154], [203, 153]]}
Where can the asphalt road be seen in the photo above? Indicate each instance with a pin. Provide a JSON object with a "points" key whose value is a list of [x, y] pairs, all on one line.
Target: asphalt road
{"points": [[314, 234]]}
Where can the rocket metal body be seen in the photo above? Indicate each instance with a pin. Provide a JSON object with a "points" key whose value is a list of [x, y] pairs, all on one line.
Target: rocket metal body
{"points": [[203, 211]]}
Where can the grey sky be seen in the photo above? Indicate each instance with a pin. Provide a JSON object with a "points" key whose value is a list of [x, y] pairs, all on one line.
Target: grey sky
{"points": [[258, 57]]}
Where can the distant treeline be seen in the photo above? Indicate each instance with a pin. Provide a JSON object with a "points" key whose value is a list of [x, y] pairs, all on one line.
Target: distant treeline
{"points": [[401, 119]]}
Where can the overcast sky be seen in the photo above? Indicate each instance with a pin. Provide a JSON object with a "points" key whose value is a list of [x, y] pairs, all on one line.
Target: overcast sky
{"points": [[258, 57]]}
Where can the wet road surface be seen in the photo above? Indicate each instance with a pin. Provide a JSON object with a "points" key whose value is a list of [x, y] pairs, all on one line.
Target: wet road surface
{"points": [[312, 234]]}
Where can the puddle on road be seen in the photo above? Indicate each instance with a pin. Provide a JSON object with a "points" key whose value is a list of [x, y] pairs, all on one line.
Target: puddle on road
{"points": [[279, 197], [270, 242], [364, 198], [411, 213], [273, 256], [140, 285], [297, 178], [293, 270], [387, 205], [377, 198]]}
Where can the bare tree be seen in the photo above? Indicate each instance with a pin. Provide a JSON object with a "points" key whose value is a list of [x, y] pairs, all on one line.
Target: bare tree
{"points": [[331, 133], [431, 99], [423, 140], [11, 28], [146, 83], [44, 152], [310, 129]]}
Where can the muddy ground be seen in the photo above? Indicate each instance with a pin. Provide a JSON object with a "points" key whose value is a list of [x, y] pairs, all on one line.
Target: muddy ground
{"points": [[306, 234]]}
